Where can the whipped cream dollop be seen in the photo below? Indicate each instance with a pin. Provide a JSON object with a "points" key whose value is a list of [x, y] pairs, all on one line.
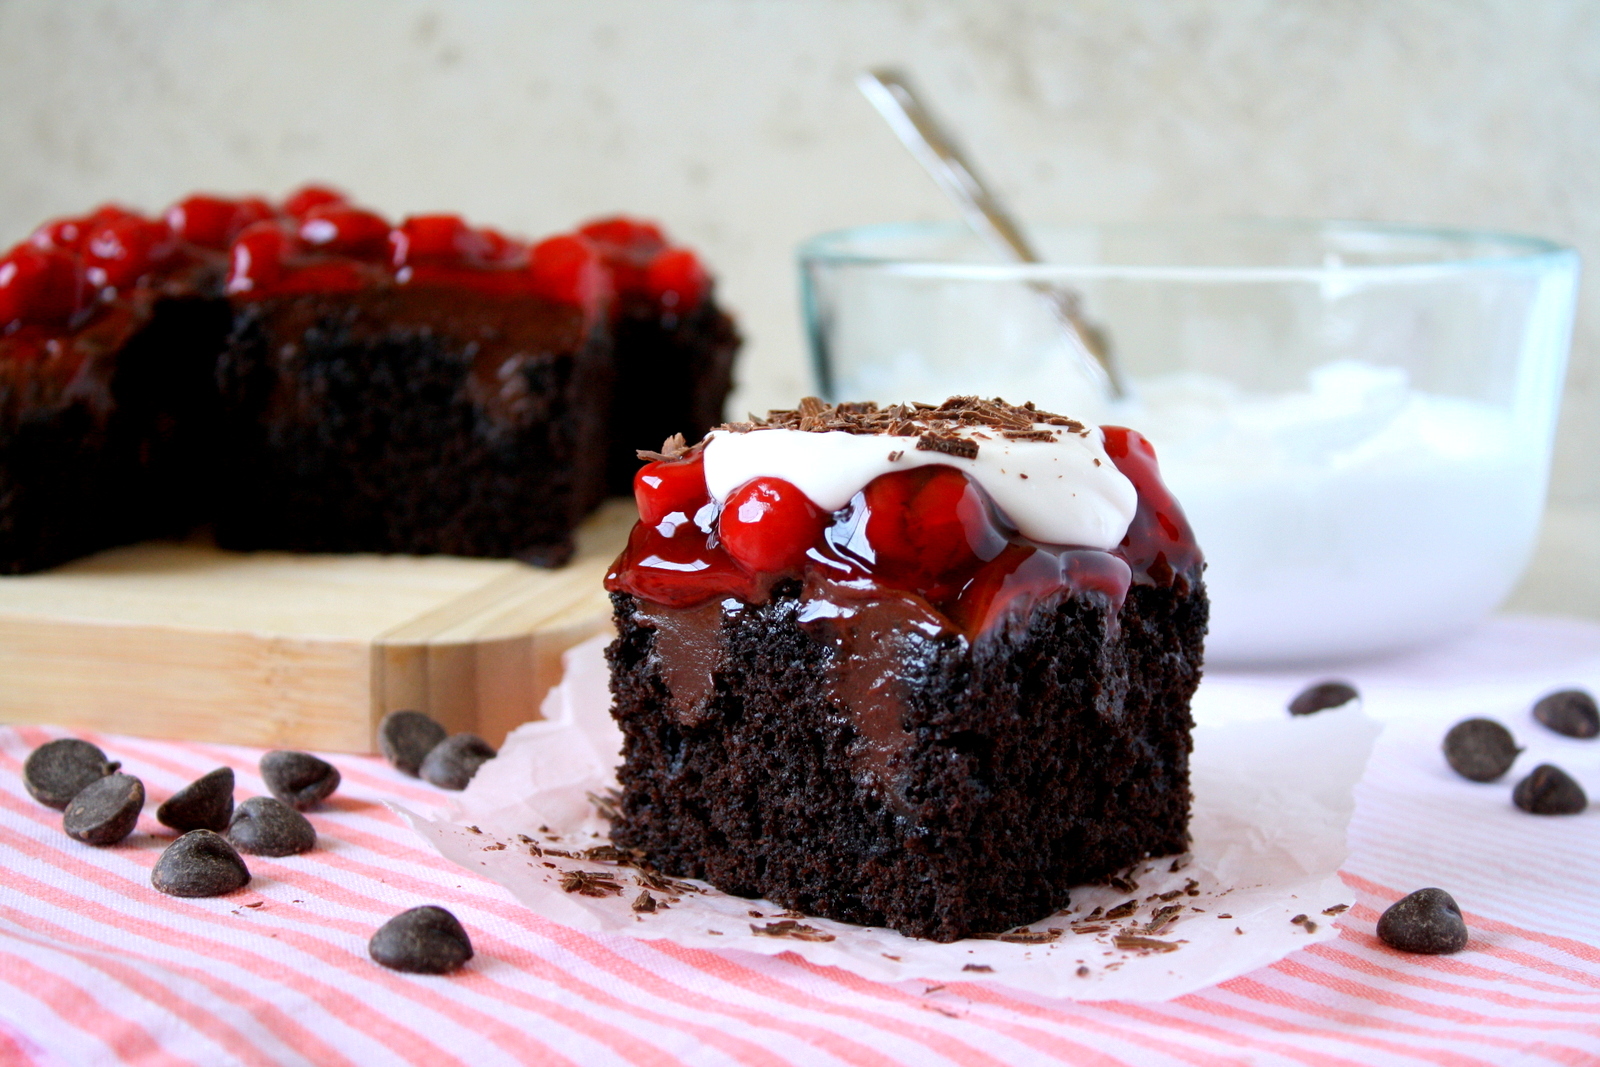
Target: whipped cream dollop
{"points": [[1064, 490]]}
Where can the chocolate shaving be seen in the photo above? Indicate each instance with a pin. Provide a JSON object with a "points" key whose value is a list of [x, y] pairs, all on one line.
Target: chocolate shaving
{"points": [[606, 805], [644, 901], [1137, 943], [982, 968], [1336, 909], [1030, 937], [1123, 910], [904, 420], [673, 447], [791, 929], [949, 446], [591, 883]]}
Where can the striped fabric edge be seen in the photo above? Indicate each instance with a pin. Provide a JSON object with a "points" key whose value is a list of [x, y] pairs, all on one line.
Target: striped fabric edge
{"points": [[1212, 1029]]}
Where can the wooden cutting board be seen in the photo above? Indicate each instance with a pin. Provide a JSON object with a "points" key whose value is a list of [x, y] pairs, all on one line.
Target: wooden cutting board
{"points": [[295, 651]]}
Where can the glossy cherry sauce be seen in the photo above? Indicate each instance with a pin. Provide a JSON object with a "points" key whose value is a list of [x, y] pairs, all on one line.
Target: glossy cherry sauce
{"points": [[930, 532], [72, 271]]}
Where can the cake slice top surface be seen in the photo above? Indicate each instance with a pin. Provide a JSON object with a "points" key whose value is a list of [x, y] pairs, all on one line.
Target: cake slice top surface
{"points": [[920, 500]]}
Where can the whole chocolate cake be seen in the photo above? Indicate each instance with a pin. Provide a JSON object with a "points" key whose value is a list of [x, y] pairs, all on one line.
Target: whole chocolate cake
{"points": [[924, 667], [307, 376]]}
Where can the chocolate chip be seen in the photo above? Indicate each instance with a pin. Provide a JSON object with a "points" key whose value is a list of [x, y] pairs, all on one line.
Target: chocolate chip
{"points": [[406, 738], [299, 779], [199, 864], [1428, 921], [1549, 790], [105, 811], [1480, 749], [204, 804], [56, 770], [454, 761], [1322, 696], [1570, 711], [425, 940], [266, 826]]}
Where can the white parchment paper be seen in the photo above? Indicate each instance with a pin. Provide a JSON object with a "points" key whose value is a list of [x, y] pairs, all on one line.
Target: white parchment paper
{"points": [[1272, 800]]}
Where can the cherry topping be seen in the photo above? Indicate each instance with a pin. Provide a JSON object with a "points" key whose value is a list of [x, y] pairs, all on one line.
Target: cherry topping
{"points": [[65, 234], [567, 269], [671, 487], [767, 524], [428, 237], [310, 196], [928, 529], [346, 231], [679, 571], [1159, 541], [119, 250], [212, 221], [676, 280], [255, 262], [620, 236], [41, 286]]}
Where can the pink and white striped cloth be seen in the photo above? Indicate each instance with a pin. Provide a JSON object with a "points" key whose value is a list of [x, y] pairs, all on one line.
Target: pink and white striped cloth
{"points": [[97, 967]]}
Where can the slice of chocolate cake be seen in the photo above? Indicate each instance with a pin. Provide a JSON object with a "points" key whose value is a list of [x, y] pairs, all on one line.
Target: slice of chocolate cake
{"points": [[924, 668]]}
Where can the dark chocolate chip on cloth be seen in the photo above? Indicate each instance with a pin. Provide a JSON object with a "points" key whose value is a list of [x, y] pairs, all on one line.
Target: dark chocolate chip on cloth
{"points": [[201, 863], [454, 762], [425, 940], [406, 738], [266, 826], [1549, 790], [1570, 712], [1480, 749], [299, 779], [204, 804], [57, 770], [1428, 922], [105, 811]]}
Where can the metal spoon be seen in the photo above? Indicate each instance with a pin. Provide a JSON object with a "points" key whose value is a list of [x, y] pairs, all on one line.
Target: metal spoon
{"points": [[938, 154]]}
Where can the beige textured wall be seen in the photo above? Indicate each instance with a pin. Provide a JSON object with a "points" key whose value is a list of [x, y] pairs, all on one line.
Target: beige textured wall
{"points": [[736, 120]]}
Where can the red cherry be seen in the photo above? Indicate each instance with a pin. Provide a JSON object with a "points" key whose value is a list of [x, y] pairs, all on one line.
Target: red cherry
{"points": [[428, 237], [120, 250], [1022, 575], [667, 487], [620, 235], [928, 529], [44, 286], [307, 197], [346, 231], [214, 221], [255, 260], [676, 280], [767, 525], [64, 234], [567, 269]]}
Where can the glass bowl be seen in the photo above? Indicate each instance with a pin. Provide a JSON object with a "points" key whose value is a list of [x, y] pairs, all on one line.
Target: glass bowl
{"points": [[1357, 418]]}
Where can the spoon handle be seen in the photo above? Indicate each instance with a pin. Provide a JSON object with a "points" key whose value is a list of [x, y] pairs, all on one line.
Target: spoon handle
{"points": [[920, 132]]}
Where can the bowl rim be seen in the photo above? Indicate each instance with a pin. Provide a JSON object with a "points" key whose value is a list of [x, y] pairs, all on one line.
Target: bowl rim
{"points": [[1516, 252]]}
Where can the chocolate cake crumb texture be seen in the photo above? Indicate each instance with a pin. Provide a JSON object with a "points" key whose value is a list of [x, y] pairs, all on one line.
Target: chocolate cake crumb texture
{"points": [[204, 804], [1549, 790], [299, 779], [1480, 749], [424, 940], [1569, 712], [58, 770], [105, 811], [201, 863], [406, 737], [1428, 922], [266, 826], [1322, 696], [454, 762]]}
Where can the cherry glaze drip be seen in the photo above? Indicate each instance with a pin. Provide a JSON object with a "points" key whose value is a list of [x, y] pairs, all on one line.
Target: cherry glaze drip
{"points": [[931, 533]]}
